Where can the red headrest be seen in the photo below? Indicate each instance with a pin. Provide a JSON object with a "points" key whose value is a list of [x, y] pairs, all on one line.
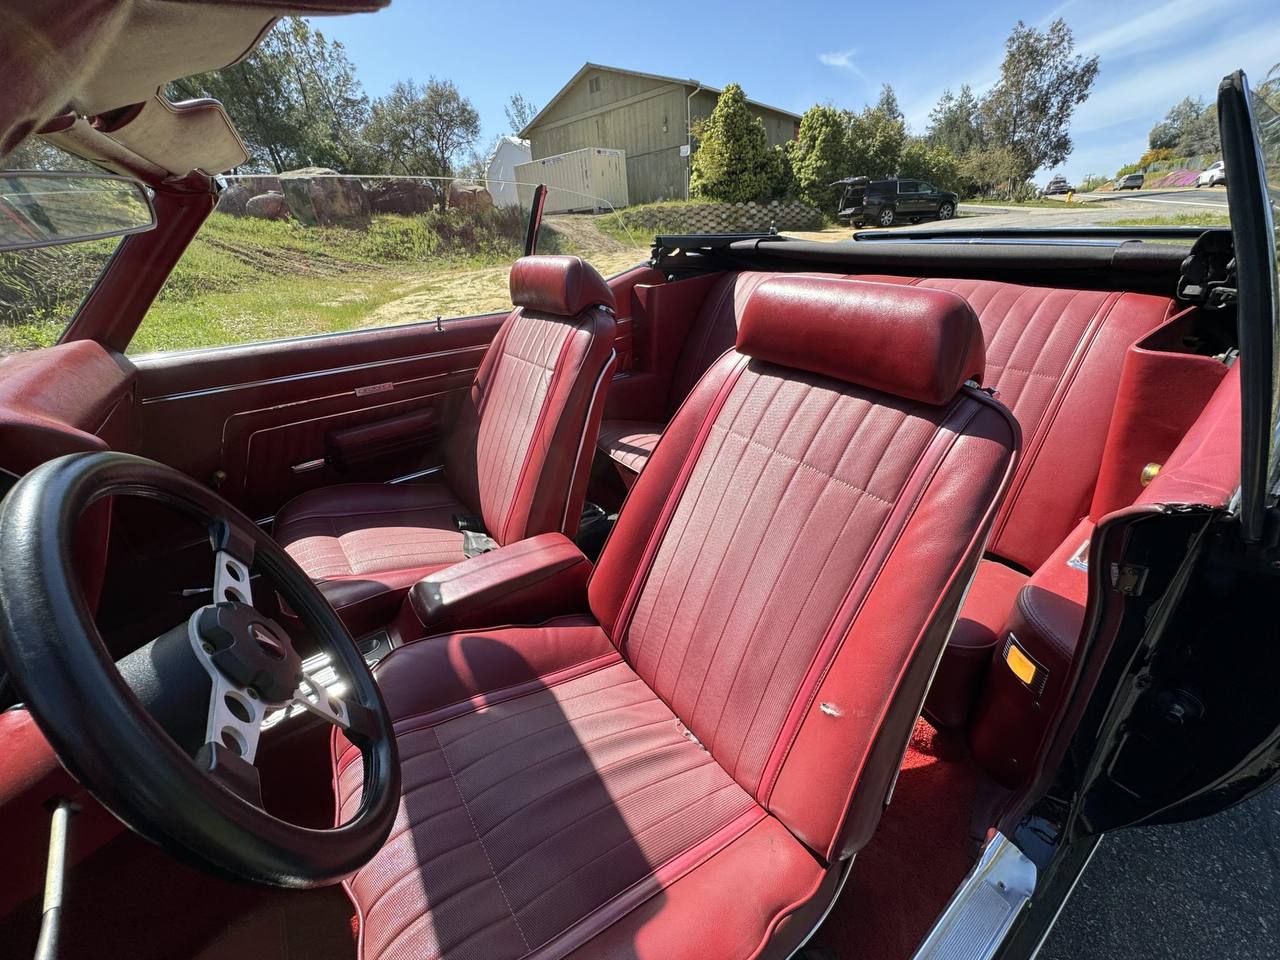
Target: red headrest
{"points": [[907, 341], [561, 285]]}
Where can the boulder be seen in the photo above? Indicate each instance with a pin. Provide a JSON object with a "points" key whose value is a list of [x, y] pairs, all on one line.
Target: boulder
{"points": [[262, 183], [396, 195], [268, 206], [234, 200], [318, 197], [469, 196]]}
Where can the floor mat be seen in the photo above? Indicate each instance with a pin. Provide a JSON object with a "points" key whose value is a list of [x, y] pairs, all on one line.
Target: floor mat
{"points": [[921, 851]]}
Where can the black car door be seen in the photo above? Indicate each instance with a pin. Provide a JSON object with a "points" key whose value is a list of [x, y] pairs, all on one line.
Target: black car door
{"points": [[929, 198], [1174, 715]]}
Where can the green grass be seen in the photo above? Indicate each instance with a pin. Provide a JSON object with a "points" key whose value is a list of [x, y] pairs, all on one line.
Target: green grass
{"points": [[243, 280], [1039, 202], [1176, 220]]}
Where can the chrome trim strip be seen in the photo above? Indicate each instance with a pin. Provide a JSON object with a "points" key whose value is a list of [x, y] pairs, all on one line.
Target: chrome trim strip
{"points": [[847, 868], [983, 908], [596, 397], [1063, 902], [417, 474], [297, 377]]}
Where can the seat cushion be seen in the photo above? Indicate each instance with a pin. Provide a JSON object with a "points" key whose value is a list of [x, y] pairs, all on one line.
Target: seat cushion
{"points": [[547, 793], [368, 543], [628, 443], [973, 639]]}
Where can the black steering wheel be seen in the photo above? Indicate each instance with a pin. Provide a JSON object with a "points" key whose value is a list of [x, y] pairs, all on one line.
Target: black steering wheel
{"points": [[206, 808]]}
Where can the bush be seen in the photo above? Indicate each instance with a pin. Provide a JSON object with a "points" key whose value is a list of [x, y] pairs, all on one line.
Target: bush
{"points": [[733, 162], [820, 156], [1092, 182], [1156, 155]]}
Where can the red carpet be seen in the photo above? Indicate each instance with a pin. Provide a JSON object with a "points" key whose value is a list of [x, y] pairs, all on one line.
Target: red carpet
{"points": [[921, 851]]}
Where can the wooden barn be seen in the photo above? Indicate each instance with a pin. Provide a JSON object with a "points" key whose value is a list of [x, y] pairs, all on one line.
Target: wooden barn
{"points": [[646, 116]]}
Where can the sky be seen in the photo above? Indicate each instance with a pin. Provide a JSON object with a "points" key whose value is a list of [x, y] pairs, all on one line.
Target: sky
{"points": [[796, 54]]}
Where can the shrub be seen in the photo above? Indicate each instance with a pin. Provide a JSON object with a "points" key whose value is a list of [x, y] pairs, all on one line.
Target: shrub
{"points": [[820, 156], [733, 162]]}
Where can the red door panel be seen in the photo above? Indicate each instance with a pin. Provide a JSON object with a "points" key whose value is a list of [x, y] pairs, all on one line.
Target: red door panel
{"points": [[254, 420]]}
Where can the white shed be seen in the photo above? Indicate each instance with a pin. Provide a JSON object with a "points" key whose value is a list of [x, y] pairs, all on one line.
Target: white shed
{"points": [[501, 170], [591, 179]]}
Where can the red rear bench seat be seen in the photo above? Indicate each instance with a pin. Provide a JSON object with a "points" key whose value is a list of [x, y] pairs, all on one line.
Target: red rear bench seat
{"points": [[1054, 358]]}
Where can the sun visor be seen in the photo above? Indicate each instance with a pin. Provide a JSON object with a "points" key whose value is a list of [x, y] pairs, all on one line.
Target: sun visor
{"points": [[170, 139], [96, 57]]}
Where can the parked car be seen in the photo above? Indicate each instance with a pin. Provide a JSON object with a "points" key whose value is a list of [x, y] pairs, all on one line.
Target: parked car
{"points": [[1214, 175], [1131, 181], [1058, 185], [886, 202]]}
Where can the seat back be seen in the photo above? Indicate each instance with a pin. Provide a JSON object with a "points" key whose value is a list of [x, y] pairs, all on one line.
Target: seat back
{"points": [[519, 446], [787, 567], [1054, 357], [713, 331]]}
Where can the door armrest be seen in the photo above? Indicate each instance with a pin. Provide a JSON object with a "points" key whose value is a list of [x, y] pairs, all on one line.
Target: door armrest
{"points": [[524, 582]]}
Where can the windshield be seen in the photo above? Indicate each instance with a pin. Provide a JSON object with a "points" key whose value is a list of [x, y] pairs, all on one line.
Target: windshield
{"points": [[41, 288], [310, 252]]}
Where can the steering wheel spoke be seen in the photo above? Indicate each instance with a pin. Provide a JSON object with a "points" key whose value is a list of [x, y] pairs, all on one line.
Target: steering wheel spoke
{"points": [[231, 579], [137, 760], [347, 715]]}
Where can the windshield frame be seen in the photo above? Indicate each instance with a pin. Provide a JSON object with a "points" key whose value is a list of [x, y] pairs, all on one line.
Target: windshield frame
{"points": [[1254, 241]]}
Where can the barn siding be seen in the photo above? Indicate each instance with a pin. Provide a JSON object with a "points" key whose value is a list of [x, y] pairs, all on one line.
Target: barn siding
{"points": [[643, 116]]}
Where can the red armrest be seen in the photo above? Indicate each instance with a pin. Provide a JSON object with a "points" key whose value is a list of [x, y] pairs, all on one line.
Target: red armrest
{"points": [[367, 441], [1027, 677], [524, 582]]}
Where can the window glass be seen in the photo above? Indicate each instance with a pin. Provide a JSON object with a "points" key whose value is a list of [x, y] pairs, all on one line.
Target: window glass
{"points": [[41, 289], [908, 186], [296, 256]]}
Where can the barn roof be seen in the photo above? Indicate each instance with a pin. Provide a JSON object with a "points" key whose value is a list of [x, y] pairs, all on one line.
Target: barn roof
{"points": [[683, 81]]}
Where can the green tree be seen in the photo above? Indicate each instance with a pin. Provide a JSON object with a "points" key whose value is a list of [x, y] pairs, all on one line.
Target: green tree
{"points": [[1189, 129], [820, 156], [888, 103], [520, 112], [938, 165], [733, 162], [396, 137], [876, 141], [1042, 81], [421, 130], [954, 122]]}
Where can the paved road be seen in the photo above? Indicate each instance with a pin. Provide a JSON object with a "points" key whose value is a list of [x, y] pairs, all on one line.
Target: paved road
{"points": [[1210, 198], [1206, 890]]}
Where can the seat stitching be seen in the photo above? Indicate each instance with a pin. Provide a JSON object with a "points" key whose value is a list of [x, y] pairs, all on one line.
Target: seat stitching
{"points": [[704, 760], [653, 826], [818, 470], [755, 553], [413, 867], [610, 658], [707, 594], [457, 786], [577, 745], [493, 721]]}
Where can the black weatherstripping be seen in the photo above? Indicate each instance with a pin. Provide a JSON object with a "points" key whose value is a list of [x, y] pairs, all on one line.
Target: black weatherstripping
{"points": [[1254, 237], [103, 734]]}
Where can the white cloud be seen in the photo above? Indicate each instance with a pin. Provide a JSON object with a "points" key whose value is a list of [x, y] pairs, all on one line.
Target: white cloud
{"points": [[842, 59], [1151, 30]]}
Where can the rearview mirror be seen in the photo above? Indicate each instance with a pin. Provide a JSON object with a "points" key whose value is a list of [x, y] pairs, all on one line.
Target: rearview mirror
{"points": [[41, 208]]}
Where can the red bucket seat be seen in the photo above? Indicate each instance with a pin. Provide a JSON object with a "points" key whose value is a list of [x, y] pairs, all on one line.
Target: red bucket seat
{"points": [[517, 456], [687, 772]]}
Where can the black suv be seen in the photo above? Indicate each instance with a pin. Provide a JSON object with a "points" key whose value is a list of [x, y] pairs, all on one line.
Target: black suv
{"points": [[885, 202]]}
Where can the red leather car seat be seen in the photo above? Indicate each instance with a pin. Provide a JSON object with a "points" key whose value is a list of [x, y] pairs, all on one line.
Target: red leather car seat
{"points": [[720, 735], [517, 455]]}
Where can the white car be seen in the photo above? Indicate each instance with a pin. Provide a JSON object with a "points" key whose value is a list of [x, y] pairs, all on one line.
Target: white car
{"points": [[1213, 176]]}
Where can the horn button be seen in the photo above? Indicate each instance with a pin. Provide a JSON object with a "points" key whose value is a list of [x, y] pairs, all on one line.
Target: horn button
{"points": [[250, 650]]}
